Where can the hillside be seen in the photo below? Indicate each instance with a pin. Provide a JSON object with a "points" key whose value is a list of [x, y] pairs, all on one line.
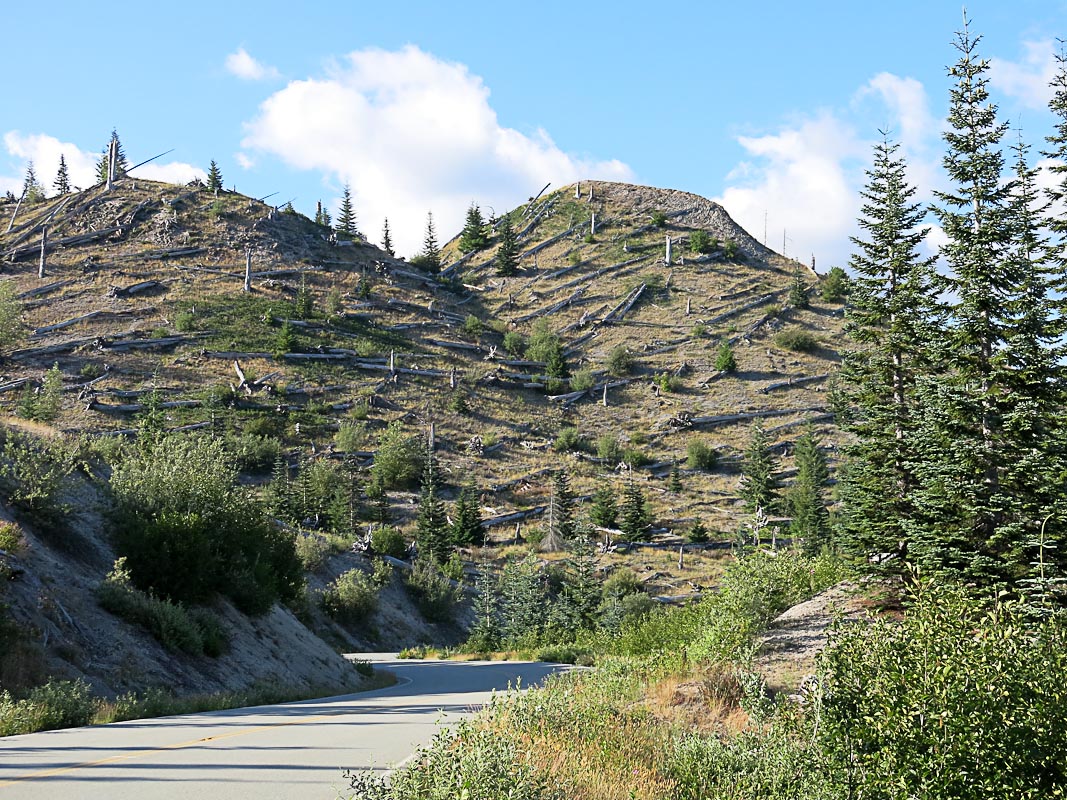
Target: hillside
{"points": [[142, 303]]}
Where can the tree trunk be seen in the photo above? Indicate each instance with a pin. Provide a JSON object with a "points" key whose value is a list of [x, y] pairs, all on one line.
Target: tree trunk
{"points": [[44, 249]]}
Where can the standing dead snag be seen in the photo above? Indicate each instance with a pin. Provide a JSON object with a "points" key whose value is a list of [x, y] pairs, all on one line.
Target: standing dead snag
{"points": [[44, 249], [248, 269]]}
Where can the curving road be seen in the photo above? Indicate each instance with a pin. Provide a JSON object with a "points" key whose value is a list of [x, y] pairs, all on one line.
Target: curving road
{"points": [[294, 750]]}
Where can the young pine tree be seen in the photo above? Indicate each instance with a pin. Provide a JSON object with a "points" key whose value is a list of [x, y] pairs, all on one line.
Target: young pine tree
{"points": [[387, 239], [758, 484], [473, 236], [635, 520], [798, 292], [431, 524], [121, 165], [466, 529], [892, 317], [346, 215], [62, 182], [507, 255], [604, 510], [430, 257], [31, 187], [214, 177], [807, 495], [560, 523], [485, 631]]}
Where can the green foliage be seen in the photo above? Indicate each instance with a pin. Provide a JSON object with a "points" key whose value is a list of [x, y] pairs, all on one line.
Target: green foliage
{"points": [[313, 550], [956, 700], [758, 484], [251, 453], [285, 341], [32, 189], [731, 250], [545, 346], [835, 286], [620, 361], [334, 303], [350, 436], [635, 457], [62, 181], [172, 625], [33, 473], [635, 515], [798, 291], [466, 528], [56, 704], [570, 441], [185, 321], [214, 177], [398, 459], [430, 257], [188, 530], [388, 541], [608, 448], [387, 238], [796, 339], [432, 592], [304, 304], [667, 382], [351, 598], [472, 327], [507, 255], [659, 218], [700, 242], [12, 329], [582, 380], [514, 343], [431, 524], [346, 216], [724, 358], [806, 501], [604, 510], [698, 534], [475, 234], [700, 455], [523, 602], [11, 540]]}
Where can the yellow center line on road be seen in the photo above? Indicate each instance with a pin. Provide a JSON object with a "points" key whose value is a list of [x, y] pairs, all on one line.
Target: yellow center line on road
{"points": [[178, 746]]}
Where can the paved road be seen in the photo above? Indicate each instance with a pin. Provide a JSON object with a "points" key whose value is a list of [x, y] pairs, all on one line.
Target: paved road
{"points": [[291, 751]]}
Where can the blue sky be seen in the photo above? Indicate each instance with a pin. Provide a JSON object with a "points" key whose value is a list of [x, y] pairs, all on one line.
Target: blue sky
{"points": [[770, 108]]}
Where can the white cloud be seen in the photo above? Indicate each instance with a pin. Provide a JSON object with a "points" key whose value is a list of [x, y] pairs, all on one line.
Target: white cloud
{"points": [[243, 160], [245, 67], [805, 180], [411, 133], [44, 151], [1028, 80]]}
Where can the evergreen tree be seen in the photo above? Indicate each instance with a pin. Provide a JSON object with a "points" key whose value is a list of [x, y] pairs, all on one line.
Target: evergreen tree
{"points": [[466, 529], [604, 510], [806, 497], [62, 182], [758, 484], [387, 239], [322, 216], [507, 255], [561, 525], [485, 632], [581, 587], [430, 257], [474, 235], [346, 216], [1056, 153], [970, 530], [121, 164], [892, 317], [674, 483], [431, 524], [798, 292], [31, 187], [214, 177], [522, 601], [49, 401], [278, 490], [725, 361], [635, 520]]}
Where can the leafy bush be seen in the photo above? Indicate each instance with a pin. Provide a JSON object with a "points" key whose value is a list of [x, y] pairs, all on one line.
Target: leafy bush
{"points": [[659, 218], [312, 550], [582, 380], [608, 447], [388, 541], [700, 455], [620, 360], [56, 704], [472, 327], [351, 598], [667, 382], [432, 592], [569, 441], [350, 437], [635, 457], [398, 459], [251, 453], [731, 250], [701, 242], [956, 700], [32, 474], [796, 339], [11, 539], [185, 321], [835, 286], [514, 344], [188, 530]]}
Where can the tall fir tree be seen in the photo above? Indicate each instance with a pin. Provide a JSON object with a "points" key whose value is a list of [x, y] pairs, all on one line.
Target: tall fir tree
{"points": [[893, 317], [31, 187], [604, 509], [485, 631], [560, 522], [758, 484], [522, 601], [580, 586], [507, 255], [969, 530], [635, 519], [346, 215], [387, 239], [322, 216], [62, 182], [214, 177], [807, 495], [473, 237], [431, 524], [798, 291]]}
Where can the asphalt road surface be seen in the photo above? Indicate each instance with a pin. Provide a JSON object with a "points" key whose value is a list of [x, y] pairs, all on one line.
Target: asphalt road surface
{"points": [[291, 751]]}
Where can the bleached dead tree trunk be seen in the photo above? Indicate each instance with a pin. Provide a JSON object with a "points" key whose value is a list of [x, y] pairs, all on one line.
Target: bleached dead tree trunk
{"points": [[248, 269], [592, 224], [667, 256], [14, 213], [44, 249], [578, 191], [111, 156]]}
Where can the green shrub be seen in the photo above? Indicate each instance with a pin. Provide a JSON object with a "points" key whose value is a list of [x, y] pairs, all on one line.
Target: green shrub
{"points": [[668, 382], [659, 218], [608, 447], [351, 598], [700, 455], [254, 454], [698, 534], [731, 250], [185, 321], [835, 286], [514, 343], [472, 327], [796, 339], [33, 473], [569, 441], [388, 541], [432, 592], [56, 704], [334, 303], [11, 539], [398, 459], [582, 380], [699, 331], [620, 361], [635, 457], [350, 437], [313, 550], [701, 242]]}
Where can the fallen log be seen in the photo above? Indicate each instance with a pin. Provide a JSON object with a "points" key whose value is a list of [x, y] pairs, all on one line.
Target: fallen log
{"points": [[133, 408], [40, 290], [137, 288], [620, 310], [727, 419], [11, 386], [792, 382], [91, 315], [61, 347], [143, 344], [515, 516]]}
